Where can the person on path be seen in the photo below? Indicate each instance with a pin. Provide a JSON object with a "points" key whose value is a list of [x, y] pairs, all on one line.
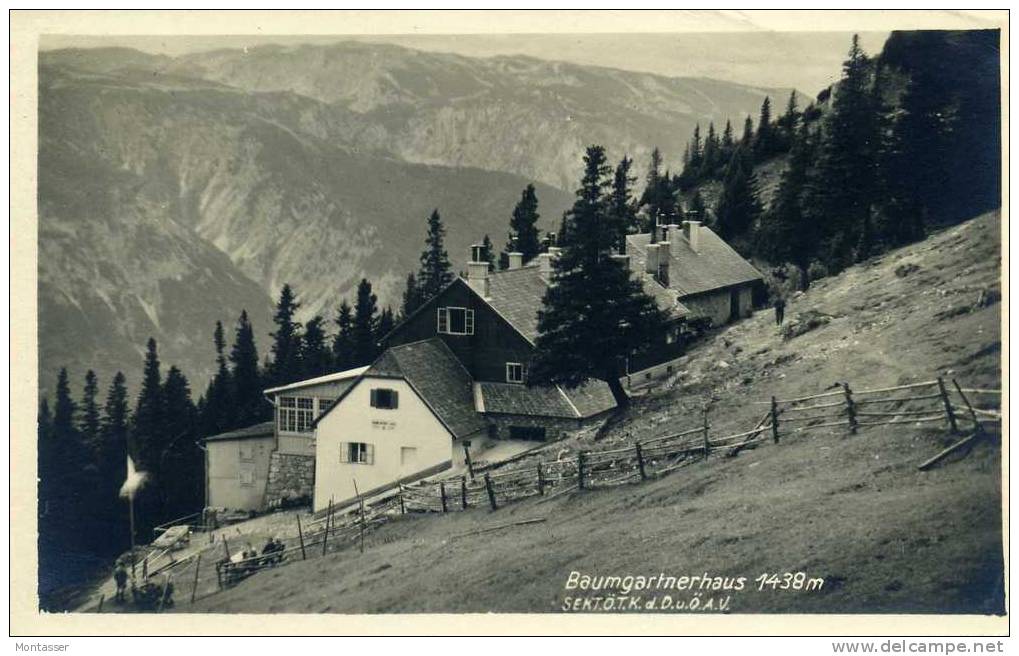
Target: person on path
{"points": [[779, 310], [120, 577]]}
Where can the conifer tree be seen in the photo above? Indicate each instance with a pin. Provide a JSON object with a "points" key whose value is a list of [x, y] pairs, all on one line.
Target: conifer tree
{"points": [[250, 406], [697, 209], [112, 454], [696, 149], [712, 153], [794, 230], [385, 325], [787, 123], [738, 205], [488, 252], [746, 142], [179, 475], [435, 269], [365, 310], [148, 421], [88, 422], [596, 314], [316, 354], [764, 143], [411, 296], [622, 207], [218, 408], [286, 348], [344, 355], [728, 144], [524, 235]]}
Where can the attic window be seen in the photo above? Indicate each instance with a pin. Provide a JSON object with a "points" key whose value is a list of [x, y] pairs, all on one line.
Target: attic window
{"points": [[455, 321], [385, 399], [514, 372], [295, 414]]}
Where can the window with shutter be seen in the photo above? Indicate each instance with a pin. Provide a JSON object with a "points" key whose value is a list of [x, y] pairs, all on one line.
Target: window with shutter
{"points": [[443, 321], [385, 399], [358, 453]]}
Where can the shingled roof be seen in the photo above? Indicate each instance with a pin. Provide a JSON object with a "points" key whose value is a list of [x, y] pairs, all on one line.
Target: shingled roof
{"points": [[590, 399], [438, 377], [264, 429], [715, 265]]}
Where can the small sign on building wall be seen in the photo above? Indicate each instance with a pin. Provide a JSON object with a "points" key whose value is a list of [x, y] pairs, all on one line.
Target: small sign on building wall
{"points": [[379, 424]]}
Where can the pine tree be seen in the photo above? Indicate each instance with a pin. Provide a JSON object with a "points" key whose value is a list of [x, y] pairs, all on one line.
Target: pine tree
{"points": [[793, 228], [764, 144], [712, 154], [622, 207], [218, 408], [728, 145], [148, 421], [847, 161], [411, 297], [385, 325], [250, 406], [787, 123], [435, 269], [596, 314], [112, 454], [488, 252], [746, 142], [316, 354], [365, 310], [738, 206], [179, 474], [696, 149], [88, 422], [286, 348], [344, 355], [524, 235]]}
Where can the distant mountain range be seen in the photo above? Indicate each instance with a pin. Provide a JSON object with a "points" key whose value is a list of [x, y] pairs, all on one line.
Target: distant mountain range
{"points": [[176, 191]]}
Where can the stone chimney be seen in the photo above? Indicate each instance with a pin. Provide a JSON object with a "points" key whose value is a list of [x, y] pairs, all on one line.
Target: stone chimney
{"points": [[477, 271], [651, 262], [545, 266], [622, 259], [672, 233], [664, 250], [516, 260], [693, 234]]}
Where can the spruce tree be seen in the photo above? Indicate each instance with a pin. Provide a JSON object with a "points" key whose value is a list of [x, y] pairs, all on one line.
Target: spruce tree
{"points": [[738, 206], [488, 252], [793, 227], [316, 353], [250, 406], [596, 314], [787, 123], [88, 422], [112, 455], [728, 144], [365, 310], [148, 422], [435, 269], [411, 296], [286, 347], [712, 154], [344, 355], [764, 143], [385, 325], [698, 211], [622, 206], [179, 474], [746, 142], [524, 234], [218, 408]]}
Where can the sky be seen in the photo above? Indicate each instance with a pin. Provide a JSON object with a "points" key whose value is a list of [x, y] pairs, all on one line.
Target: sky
{"points": [[807, 61]]}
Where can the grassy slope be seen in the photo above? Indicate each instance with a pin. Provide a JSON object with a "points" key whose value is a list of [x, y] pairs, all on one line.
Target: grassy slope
{"points": [[853, 509]]}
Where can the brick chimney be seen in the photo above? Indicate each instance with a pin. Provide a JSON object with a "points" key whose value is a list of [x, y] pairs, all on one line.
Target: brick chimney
{"points": [[516, 260], [692, 230], [477, 271]]}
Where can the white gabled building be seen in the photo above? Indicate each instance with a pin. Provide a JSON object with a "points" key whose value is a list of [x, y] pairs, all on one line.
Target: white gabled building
{"points": [[405, 417]]}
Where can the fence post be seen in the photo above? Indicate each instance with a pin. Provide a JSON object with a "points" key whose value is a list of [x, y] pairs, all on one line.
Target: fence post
{"points": [[162, 597], [774, 419], [194, 584], [467, 460], [581, 461], [948, 405], [491, 491], [973, 415], [541, 480], [403, 508], [463, 492], [325, 534], [707, 442], [300, 536], [640, 462], [442, 495], [850, 407]]}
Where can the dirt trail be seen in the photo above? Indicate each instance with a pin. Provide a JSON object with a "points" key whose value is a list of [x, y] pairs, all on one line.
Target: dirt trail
{"points": [[851, 510]]}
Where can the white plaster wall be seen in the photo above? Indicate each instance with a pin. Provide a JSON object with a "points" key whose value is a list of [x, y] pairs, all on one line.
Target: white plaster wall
{"points": [[412, 424], [224, 470]]}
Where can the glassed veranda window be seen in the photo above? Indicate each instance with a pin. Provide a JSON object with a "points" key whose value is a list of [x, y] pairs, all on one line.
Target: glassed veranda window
{"points": [[296, 414]]}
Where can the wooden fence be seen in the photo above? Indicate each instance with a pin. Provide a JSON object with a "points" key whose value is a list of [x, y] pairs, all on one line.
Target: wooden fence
{"points": [[915, 403]]}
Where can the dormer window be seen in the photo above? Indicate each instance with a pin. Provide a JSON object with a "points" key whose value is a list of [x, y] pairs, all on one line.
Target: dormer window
{"points": [[455, 321], [514, 372]]}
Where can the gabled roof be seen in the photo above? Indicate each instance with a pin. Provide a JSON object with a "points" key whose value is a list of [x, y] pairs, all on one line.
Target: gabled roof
{"points": [[349, 374], [715, 265], [436, 375], [264, 429], [592, 398]]}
